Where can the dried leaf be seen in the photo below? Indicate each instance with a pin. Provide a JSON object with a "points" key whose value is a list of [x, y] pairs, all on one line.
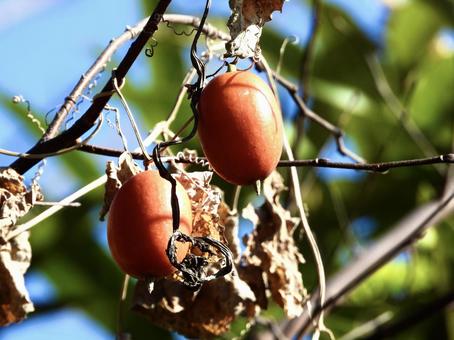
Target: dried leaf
{"points": [[245, 25], [230, 221], [271, 247], [15, 258], [15, 255], [116, 176], [205, 201], [203, 314]]}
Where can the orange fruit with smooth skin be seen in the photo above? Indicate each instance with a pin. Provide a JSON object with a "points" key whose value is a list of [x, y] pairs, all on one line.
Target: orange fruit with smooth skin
{"points": [[140, 225], [240, 127]]}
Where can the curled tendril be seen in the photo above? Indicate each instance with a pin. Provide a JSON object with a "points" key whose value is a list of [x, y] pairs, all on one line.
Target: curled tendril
{"points": [[192, 158], [187, 34], [192, 267], [149, 51]]}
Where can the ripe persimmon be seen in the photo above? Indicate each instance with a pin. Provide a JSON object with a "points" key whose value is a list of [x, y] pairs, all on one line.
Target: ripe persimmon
{"points": [[140, 225], [240, 127]]}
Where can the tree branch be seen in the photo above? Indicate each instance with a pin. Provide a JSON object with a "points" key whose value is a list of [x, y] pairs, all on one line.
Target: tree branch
{"points": [[68, 137], [315, 163], [403, 234]]}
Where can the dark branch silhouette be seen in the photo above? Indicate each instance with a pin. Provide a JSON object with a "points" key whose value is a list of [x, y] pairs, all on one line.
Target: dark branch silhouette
{"points": [[315, 163]]}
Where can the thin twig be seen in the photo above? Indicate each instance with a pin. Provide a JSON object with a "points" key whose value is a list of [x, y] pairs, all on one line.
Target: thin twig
{"points": [[59, 152], [312, 163], [412, 317], [121, 302], [334, 130], [232, 233], [52, 210], [131, 120], [209, 30], [292, 40], [183, 91], [313, 243], [305, 65], [47, 204], [366, 328]]}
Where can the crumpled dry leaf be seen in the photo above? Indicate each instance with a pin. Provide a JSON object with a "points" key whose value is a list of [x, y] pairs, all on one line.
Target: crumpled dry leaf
{"points": [[245, 25], [15, 255], [230, 220], [15, 258], [271, 248], [116, 176], [205, 201], [202, 314]]}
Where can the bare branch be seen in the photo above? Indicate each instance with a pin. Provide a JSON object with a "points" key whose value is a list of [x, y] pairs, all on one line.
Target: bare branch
{"points": [[313, 163], [52, 210], [209, 30]]}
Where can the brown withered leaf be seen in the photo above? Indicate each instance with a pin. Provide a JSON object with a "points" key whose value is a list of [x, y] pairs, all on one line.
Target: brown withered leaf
{"points": [[245, 25], [271, 247], [205, 200], [230, 220], [116, 176], [15, 258], [202, 314], [15, 255]]}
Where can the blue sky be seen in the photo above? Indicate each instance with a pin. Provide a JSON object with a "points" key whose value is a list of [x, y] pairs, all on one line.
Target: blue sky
{"points": [[46, 46]]}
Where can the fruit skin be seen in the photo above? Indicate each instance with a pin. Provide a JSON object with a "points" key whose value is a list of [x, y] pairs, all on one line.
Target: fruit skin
{"points": [[240, 127], [140, 225]]}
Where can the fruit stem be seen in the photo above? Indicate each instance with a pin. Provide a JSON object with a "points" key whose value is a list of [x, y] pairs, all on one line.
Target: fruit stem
{"points": [[231, 67]]}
